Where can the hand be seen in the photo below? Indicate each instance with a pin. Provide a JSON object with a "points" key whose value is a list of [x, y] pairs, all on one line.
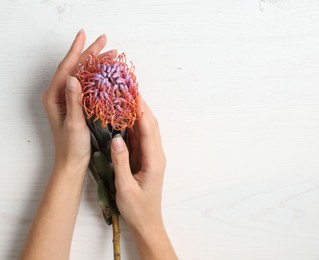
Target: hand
{"points": [[62, 102], [51, 232], [139, 195]]}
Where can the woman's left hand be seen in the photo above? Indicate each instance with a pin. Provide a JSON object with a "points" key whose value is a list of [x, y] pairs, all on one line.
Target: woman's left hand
{"points": [[62, 102]]}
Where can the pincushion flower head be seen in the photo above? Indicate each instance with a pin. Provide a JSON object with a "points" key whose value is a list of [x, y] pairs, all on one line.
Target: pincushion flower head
{"points": [[110, 100], [110, 91]]}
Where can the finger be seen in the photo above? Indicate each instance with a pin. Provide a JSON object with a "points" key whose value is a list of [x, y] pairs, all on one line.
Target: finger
{"points": [[95, 47], [120, 160], [54, 93], [72, 57], [134, 151], [74, 108], [67, 65], [148, 134], [132, 140], [53, 97]]}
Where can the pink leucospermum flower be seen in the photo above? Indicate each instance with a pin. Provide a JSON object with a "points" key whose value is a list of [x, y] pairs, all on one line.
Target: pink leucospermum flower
{"points": [[110, 90], [110, 99]]}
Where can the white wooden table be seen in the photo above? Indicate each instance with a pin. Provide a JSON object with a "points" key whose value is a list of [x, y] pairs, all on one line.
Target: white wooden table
{"points": [[235, 87]]}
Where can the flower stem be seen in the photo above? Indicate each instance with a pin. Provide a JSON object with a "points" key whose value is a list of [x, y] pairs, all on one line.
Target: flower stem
{"points": [[116, 237]]}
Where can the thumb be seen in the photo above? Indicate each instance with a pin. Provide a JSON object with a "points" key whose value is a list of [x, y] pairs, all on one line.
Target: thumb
{"points": [[120, 159], [73, 96]]}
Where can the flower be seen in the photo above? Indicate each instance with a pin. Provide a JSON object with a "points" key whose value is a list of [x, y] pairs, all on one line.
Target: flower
{"points": [[110, 90], [110, 99]]}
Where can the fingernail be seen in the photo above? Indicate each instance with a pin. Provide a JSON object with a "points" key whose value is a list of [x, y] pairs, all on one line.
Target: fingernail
{"points": [[101, 36], [71, 83], [118, 144], [79, 32]]}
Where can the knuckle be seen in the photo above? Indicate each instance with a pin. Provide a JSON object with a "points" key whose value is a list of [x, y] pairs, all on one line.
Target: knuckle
{"points": [[120, 160], [69, 99], [163, 161], [154, 123], [156, 165], [151, 129], [70, 126], [124, 188], [44, 98], [60, 65], [73, 126]]}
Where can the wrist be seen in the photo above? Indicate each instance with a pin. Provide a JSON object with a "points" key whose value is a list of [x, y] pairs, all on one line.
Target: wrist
{"points": [[147, 230], [153, 243], [70, 170]]}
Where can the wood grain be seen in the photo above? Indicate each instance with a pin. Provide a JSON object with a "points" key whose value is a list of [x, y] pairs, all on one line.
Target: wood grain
{"points": [[234, 85]]}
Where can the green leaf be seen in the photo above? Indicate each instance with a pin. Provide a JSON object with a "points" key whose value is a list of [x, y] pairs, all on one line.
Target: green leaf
{"points": [[104, 202], [103, 167], [94, 171], [108, 152], [94, 143], [103, 135]]}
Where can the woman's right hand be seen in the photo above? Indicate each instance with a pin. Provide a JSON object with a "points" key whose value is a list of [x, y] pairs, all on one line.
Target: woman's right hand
{"points": [[139, 185]]}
